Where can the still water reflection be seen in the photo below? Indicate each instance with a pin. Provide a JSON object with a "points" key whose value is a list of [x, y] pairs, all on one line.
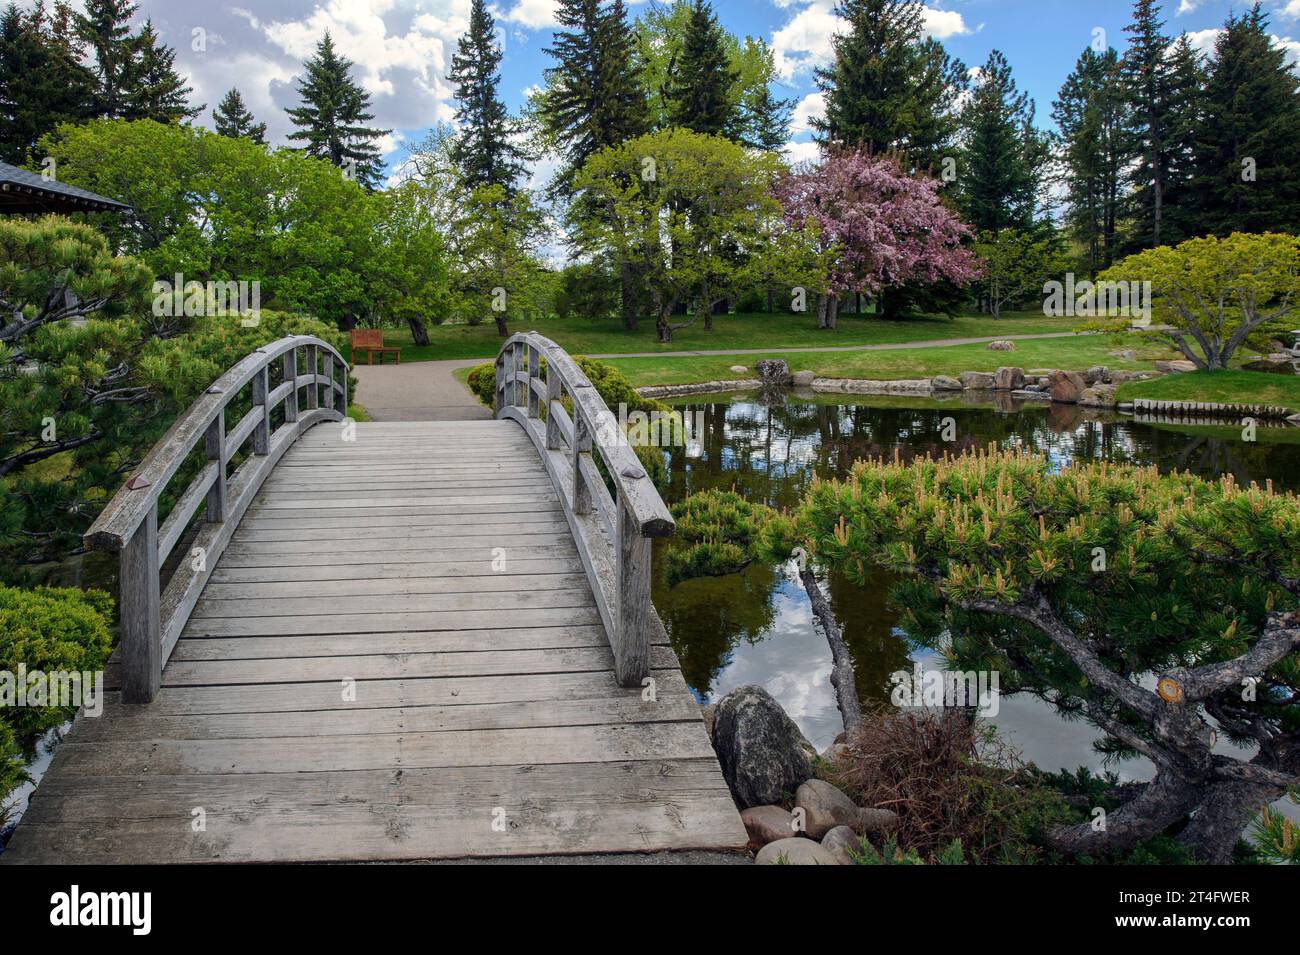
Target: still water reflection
{"points": [[756, 627]]}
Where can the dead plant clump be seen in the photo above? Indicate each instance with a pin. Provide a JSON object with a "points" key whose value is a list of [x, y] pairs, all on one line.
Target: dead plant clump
{"points": [[948, 778]]}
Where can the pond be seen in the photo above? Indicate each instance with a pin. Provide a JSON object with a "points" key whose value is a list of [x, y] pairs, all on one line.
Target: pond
{"points": [[756, 626]]}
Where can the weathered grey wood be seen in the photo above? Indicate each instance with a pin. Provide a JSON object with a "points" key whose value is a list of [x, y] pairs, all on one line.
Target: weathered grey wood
{"points": [[313, 391], [307, 570], [553, 411], [580, 450], [532, 583], [250, 422], [289, 371], [383, 623], [381, 605], [331, 398], [172, 529], [214, 445], [632, 639], [139, 613], [534, 382], [260, 396]]}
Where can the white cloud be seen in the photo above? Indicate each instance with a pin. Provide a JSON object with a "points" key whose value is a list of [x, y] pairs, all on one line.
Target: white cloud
{"points": [[533, 14], [800, 152], [806, 39], [811, 107], [1204, 40], [1188, 6]]}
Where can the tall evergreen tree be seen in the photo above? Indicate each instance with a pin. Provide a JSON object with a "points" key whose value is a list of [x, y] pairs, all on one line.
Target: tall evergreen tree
{"points": [[105, 27], [1001, 152], [1090, 116], [154, 89], [1187, 79], [331, 120], [765, 119], [484, 149], [699, 84], [42, 80], [592, 99], [889, 87], [1147, 84], [233, 119], [1248, 149]]}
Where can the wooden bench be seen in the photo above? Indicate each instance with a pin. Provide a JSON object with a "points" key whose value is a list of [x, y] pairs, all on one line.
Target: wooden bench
{"points": [[371, 340]]}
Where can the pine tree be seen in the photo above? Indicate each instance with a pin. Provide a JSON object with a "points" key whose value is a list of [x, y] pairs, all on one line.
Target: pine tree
{"points": [[332, 116], [1090, 115], [1147, 84], [889, 88], [154, 89], [1187, 81], [106, 28], [233, 119], [699, 85], [484, 149], [766, 120], [998, 181], [42, 80], [1248, 149], [592, 99]]}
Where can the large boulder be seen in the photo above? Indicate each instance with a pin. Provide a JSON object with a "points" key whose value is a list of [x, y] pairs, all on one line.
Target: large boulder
{"points": [[1096, 375], [1066, 386], [1099, 396], [764, 757], [1001, 346], [944, 383], [794, 852], [876, 824], [1273, 364], [1009, 379], [804, 379], [773, 371], [825, 807], [767, 824], [976, 380], [1181, 365], [1118, 377]]}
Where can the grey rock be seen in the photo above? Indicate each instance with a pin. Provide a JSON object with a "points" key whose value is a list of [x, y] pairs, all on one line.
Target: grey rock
{"points": [[1118, 377], [842, 843], [710, 714], [794, 852], [976, 380], [804, 378], [773, 371], [1001, 346], [825, 807], [767, 824], [1124, 354], [1181, 365], [1096, 375], [739, 369], [1099, 396], [763, 755], [945, 383], [877, 823]]}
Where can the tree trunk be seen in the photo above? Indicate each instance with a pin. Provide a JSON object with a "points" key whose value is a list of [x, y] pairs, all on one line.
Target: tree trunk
{"points": [[842, 678], [419, 334], [1226, 808], [771, 302], [822, 301], [347, 323], [1163, 802], [833, 312], [500, 319], [663, 327]]}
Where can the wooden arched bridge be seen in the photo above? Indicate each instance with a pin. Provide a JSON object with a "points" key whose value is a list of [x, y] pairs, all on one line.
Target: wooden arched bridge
{"points": [[384, 641]]}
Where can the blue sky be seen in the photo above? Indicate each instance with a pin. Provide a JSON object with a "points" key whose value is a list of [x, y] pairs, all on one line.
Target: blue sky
{"points": [[402, 47]]}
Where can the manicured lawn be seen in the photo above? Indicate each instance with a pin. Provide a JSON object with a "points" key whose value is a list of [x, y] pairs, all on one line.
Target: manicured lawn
{"points": [[586, 337], [1245, 387], [1074, 353]]}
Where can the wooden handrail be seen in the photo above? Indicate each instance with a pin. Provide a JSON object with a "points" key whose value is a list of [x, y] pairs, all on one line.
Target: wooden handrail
{"points": [[151, 619], [613, 533]]}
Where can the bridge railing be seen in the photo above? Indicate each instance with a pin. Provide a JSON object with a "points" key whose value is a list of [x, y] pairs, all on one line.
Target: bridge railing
{"points": [[151, 617], [613, 532]]}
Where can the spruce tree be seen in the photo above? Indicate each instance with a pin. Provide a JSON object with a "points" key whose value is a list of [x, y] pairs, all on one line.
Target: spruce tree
{"points": [[483, 149], [766, 120], [699, 86], [154, 89], [1248, 149], [1147, 84], [1090, 115], [889, 87], [331, 120], [1186, 83], [998, 181], [106, 28], [592, 99], [42, 80], [233, 119]]}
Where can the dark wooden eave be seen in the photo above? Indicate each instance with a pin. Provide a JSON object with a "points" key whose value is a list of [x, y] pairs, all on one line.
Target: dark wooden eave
{"points": [[23, 192]]}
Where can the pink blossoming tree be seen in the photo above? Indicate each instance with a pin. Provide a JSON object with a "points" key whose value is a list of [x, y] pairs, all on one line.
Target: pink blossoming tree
{"points": [[879, 226]]}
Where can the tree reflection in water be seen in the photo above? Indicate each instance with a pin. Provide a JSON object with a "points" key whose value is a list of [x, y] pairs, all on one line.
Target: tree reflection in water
{"points": [[768, 451]]}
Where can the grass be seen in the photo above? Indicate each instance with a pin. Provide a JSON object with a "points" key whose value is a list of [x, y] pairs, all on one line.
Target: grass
{"points": [[1229, 387], [1071, 353], [582, 336]]}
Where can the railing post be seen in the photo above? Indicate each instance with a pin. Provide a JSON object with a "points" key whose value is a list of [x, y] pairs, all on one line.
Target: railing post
{"points": [[534, 372], [313, 390], [521, 384], [342, 394], [331, 400], [632, 642], [581, 446], [214, 443], [500, 393], [552, 396], [139, 609], [262, 433], [290, 373]]}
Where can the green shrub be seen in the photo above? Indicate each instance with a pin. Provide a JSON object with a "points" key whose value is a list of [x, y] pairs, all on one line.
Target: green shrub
{"points": [[50, 630], [610, 383]]}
